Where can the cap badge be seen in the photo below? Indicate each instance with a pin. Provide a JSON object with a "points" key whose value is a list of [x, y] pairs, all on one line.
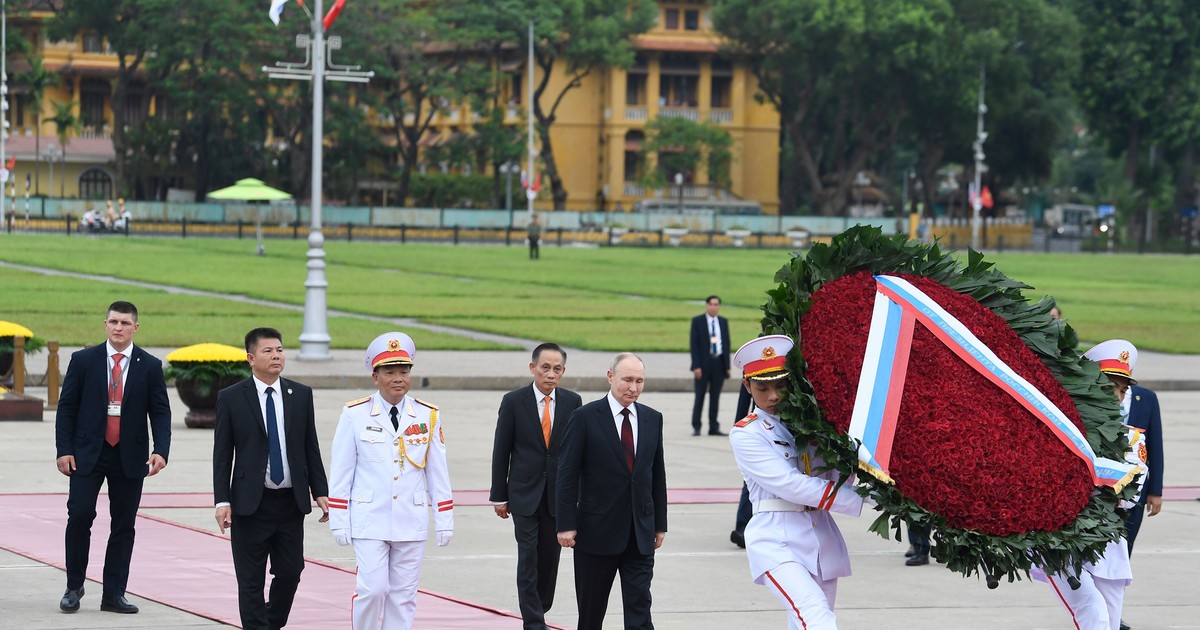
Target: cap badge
{"points": [[393, 344], [1124, 356], [768, 353]]}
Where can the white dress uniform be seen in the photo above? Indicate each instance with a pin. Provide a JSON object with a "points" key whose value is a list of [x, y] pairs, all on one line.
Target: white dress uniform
{"points": [[1097, 603], [793, 545], [382, 482]]}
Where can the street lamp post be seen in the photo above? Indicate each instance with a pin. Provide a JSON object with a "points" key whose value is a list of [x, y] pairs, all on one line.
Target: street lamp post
{"points": [[51, 153], [860, 181], [679, 185], [314, 339], [3, 102], [508, 168]]}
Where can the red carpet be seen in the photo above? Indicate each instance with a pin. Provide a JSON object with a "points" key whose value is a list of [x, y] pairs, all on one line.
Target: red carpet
{"points": [[191, 569]]}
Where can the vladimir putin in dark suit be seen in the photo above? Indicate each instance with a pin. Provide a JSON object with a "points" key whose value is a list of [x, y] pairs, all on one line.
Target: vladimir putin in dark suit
{"points": [[266, 462], [612, 496], [529, 434], [100, 433]]}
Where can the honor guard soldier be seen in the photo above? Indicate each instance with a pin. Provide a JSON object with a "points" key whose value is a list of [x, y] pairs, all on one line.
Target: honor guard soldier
{"points": [[794, 547], [1095, 597], [388, 468]]}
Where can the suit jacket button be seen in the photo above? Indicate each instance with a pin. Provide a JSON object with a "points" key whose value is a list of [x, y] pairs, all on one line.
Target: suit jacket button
{"points": [[394, 497], [396, 477]]}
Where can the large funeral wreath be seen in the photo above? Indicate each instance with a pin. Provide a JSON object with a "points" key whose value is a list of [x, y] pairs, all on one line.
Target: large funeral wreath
{"points": [[998, 489]]}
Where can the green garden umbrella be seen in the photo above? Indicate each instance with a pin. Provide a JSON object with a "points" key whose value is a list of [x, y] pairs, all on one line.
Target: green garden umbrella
{"points": [[251, 189]]}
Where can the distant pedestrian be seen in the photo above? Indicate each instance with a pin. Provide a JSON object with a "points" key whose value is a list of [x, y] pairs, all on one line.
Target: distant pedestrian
{"points": [[534, 234], [709, 343]]}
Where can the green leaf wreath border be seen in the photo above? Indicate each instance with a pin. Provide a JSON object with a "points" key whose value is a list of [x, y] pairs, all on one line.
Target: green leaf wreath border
{"points": [[1054, 342]]}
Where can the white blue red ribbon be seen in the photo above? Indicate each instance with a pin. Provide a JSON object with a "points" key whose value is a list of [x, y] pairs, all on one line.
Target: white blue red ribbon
{"points": [[898, 304]]}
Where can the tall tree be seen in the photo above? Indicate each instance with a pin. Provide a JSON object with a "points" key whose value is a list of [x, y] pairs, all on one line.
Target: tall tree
{"points": [[426, 64], [841, 73], [36, 80], [132, 29], [572, 38]]}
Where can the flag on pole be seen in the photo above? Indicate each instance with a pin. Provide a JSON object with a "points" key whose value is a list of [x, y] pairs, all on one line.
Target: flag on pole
{"points": [[985, 198], [333, 13], [276, 10]]}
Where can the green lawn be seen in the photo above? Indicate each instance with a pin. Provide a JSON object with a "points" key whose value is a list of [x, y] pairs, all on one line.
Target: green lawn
{"points": [[604, 299]]}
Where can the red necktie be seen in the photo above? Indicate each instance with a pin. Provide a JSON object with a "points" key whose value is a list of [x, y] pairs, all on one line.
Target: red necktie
{"points": [[627, 438], [546, 420], [112, 431]]}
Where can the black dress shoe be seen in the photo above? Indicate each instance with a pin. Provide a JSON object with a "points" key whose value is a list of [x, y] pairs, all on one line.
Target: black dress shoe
{"points": [[1124, 626], [695, 432], [737, 538], [912, 551], [917, 560], [70, 600], [717, 432], [118, 605]]}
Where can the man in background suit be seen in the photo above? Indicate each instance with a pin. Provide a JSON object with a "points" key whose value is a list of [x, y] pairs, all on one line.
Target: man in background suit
{"points": [[109, 392], [529, 434], [612, 496], [1144, 414], [266, 461], [710, 362]]}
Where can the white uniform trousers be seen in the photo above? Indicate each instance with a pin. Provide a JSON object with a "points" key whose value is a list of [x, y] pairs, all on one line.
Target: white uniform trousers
{"points": [[1096, 604], [807, 599], [386, 586]]}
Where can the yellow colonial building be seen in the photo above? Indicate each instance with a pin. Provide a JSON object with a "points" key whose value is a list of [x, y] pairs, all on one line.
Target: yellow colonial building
{"points": [[597, 137]]}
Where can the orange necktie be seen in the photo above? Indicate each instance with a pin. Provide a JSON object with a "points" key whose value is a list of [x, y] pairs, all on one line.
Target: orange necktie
{"points": [[112, 431], [546, 420]]}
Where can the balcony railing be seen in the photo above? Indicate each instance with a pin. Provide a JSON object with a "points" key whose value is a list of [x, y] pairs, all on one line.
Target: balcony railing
{"points": [[92, 132], [721, 115], [635, 113], [634, 189], [687, 113]]}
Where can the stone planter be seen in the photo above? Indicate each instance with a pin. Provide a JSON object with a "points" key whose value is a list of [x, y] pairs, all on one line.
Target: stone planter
{"points": [[799, 238], [675, 235], [202, 408], [615, 234], [739, 236]]}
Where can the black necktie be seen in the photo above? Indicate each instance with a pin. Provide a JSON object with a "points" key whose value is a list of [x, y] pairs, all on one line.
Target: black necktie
{"points": [[395, 420], [275, 454], [627, 438]]}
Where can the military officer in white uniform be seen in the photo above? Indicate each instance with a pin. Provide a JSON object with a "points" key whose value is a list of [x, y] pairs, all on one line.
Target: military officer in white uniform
{"points": [[793, 545], [388, 467], [1096, 603]]}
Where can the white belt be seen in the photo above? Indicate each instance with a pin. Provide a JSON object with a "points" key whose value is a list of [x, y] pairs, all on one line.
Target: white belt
{"points": [[780, 505]]}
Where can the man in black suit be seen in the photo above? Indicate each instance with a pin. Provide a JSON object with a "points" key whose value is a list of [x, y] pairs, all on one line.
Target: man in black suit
{"points": [[710, 362], [100, 433], [266, 461], [529, 434], [612, 496]]}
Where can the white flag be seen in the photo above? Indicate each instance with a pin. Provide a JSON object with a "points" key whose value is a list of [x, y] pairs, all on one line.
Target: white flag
{"points": [[276, 10]]}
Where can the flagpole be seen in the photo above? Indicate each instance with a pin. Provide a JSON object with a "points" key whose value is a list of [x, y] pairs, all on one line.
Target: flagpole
{"points": [[314, 338], [530, 193], [980, 137], [4, 103]]}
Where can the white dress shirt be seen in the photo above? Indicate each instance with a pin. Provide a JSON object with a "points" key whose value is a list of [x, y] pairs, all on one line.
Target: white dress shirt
{"points": [[541, 403], [277, 397], [619, 419], [124, 365]]}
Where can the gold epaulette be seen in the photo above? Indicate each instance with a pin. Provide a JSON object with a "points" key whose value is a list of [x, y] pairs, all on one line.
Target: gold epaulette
{"points": [[427, 404], [357, 402], [746, 421]]}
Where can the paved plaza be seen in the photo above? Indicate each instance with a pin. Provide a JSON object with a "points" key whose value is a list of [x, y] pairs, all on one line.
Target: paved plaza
{"points": [[701, 580]]}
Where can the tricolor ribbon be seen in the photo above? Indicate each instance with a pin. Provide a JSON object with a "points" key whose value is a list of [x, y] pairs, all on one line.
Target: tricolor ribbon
{"points": [[898, 305]]}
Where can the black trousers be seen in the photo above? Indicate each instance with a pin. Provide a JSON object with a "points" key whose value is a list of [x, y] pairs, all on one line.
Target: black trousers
{"points": [[538, 553], [712, 378], [1134, 523], [534, 250], [275, 530], [918, 537], [124, 497], [594, 574]]}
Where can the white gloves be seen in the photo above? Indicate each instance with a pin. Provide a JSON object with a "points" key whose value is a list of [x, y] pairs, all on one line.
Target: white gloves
{"points": [[444, 536], [341, 537]]}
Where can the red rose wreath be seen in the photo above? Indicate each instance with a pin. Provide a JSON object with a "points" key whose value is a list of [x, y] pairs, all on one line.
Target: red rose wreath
{"points": [[999, 489]]}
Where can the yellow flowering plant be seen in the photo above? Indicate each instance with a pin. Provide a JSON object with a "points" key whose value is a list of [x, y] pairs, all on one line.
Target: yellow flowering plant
{"points": [[206, 365], [9, 331]]}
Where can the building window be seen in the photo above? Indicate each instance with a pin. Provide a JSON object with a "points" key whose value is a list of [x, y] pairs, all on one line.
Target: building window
{"points": [[635, 89], [722, 84], [516, 89], [634, 159], [95, 184], [691, 20], [671, 21], [93, 43], [91, 109]]}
